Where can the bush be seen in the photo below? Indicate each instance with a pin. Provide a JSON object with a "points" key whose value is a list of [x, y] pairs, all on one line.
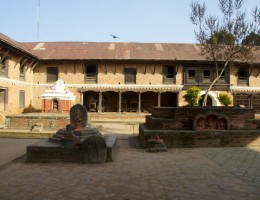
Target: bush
{"points": [[192, 96], [31, 109], [224, 99]]}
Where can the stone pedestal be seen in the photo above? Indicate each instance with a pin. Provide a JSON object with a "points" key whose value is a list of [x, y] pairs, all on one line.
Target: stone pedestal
{"points": [[76, 142]]}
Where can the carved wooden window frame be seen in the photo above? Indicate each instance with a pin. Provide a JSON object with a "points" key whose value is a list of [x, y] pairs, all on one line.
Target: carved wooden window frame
{"points": [[52, 74], [169, 74], [91, 73]]}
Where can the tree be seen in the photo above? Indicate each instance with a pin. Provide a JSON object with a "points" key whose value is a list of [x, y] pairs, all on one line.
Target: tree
{"points": [[192, 96], [253, 39], [221, 40]]}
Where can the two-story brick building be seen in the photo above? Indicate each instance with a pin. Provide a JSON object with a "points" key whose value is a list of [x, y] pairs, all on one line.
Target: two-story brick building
{"points": [[117, 77]]}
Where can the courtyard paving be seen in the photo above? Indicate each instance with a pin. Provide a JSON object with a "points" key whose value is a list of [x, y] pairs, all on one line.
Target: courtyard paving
{"points": [[179, 174]]}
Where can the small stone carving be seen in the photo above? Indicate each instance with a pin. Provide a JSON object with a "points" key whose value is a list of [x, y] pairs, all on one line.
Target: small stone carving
{"points": [[29, 123], [156, 144], [7, 122], [210, 121], [37, 127], [52, 123]]}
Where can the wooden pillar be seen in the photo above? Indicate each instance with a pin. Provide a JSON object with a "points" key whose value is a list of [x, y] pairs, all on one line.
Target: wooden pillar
{"points": [[159, 99], [250, 101], [177, 99], [81, 97], [100, 102], [139, 102], [119, 101]]}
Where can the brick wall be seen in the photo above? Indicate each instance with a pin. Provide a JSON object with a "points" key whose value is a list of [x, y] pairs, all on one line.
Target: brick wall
{"points": [[175, 127], [181, 118], [26, 122], [12, 84]]}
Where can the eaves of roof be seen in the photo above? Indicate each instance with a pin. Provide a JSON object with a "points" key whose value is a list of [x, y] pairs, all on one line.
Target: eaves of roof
{"points": [[16, 45]]}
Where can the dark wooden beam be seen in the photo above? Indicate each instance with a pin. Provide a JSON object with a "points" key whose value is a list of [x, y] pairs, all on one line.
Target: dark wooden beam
{"points": [[106, 68], [24, 61], [177, 68], [258, 72], [66, 68], [83, 68], [251, 70], [5, 54], [29, 66], [115, 69], [35, 65], [19, 60]]}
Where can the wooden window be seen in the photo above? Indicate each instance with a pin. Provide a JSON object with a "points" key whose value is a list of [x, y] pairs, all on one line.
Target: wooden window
{"points": [[3, 67], [21, 99], [224, 79], [52, 74], [256, 102], [242, 100], [206, 75], [2, 99], [242, 76], [191, 75], [168, 74], [91, 73], [22, 70], [223, 75], [130, 75]]}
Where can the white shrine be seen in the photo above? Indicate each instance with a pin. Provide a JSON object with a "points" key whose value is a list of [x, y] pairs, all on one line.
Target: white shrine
{"points": [[57, 98]]}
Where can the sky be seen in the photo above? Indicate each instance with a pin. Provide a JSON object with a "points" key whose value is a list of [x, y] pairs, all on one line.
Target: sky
{"points": [[165, 21]]}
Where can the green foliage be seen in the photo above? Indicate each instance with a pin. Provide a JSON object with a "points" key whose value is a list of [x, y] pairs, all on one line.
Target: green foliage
{"points": [[222, 38], [252, 39], [192, 96], [224, 99]]}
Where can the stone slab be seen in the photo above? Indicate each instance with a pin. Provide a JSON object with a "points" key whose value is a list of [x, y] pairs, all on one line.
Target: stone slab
{"points": [[45, 151]]}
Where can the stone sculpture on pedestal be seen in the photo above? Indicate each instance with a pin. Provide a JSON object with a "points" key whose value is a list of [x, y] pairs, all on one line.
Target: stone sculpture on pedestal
{"points": [[77, 142]]}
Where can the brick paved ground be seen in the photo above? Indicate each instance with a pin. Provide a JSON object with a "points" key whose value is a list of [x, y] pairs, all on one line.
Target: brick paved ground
{"points": [[207, 173], [11, 149]]}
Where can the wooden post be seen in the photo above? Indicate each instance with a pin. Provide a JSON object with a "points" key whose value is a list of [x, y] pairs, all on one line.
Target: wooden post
{"points": [[100, 102], [119, 101], [105, 68], [139, 102], [159, 99], [81, 97]]}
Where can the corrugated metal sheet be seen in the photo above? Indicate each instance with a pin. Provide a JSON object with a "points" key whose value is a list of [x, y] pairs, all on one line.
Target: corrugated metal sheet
{"points": [[111, 51], [114, 51], [7, 40]]}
